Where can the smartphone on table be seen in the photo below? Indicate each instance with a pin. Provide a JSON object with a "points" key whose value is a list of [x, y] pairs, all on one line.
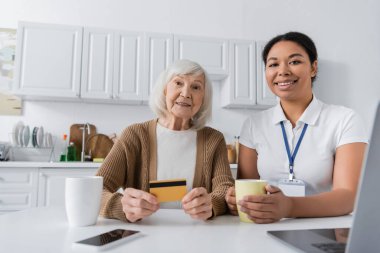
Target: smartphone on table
{"points": [[106, 240]]}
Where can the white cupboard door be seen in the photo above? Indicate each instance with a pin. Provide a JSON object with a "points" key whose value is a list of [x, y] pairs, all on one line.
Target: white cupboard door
{"points": [[127, 81], [264, 94], [158, 56], [18, 188], [17, 200], [211, 54], [97, 66], [239, 90], [51, 187], [48, 60]]}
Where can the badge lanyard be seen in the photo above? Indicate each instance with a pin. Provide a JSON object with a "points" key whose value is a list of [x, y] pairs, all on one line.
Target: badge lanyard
{"points": [[290, 156]]}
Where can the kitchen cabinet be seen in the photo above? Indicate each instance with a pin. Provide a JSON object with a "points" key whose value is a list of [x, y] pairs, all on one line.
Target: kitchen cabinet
{"points": [[246, 87], [210, 53], [158, 56], [128, 83], [97, 63], [112, 65], [18, 188], [52, 63], [265, 96], [30, 184], [116, 66], [48, 60], [239, 88], [51, 187]]}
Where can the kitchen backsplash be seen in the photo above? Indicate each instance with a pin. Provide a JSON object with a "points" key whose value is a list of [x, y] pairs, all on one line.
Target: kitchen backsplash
{"points": [[57, 117]]}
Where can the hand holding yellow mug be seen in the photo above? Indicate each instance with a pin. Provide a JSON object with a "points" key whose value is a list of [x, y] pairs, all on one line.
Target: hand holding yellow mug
{"points": [[244, 187]]}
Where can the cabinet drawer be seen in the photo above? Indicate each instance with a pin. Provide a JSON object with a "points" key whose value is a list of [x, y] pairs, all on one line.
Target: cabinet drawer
{"points": [[18, 178], [16, 201]]}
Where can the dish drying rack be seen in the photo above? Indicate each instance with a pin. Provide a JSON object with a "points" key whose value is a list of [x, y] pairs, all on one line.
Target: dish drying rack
{"points": [[33, 154]]}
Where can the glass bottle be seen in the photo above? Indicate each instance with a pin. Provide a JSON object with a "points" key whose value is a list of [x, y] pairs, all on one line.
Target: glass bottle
{"points": [[71, 152], [237, 148], [63, 156]]}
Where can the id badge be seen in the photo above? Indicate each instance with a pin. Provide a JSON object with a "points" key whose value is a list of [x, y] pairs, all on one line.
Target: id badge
{"points": [[292, 188]]}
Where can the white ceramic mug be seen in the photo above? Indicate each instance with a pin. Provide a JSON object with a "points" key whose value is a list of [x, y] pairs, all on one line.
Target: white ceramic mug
{"points": [[82, 199]]}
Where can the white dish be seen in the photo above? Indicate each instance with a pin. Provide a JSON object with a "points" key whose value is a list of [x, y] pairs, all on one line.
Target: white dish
{"points": [[45, 144], [26, 136], [40, 137], [34, 137], [48, 140], [20, 135], [15, 133]]}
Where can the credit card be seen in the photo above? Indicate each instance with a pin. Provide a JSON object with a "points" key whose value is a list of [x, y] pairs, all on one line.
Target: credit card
{"points": [[168, 190]]}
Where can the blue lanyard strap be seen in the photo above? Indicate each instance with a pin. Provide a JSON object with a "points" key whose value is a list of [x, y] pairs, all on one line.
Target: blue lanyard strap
{"points": [[290, 156]]}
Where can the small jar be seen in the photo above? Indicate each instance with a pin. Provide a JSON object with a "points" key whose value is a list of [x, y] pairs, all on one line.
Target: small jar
{"points": [[231, 154]]}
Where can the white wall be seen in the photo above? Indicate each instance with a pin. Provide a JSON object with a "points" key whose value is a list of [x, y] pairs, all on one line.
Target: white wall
{"points": [[345, 32]]}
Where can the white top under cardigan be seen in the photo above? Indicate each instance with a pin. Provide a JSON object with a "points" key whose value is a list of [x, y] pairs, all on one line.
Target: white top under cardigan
{"points": [[330, 126], [176, 155]]}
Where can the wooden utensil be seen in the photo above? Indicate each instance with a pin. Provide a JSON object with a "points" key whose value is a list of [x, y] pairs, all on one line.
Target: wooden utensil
{"points": [[76, 136], [99, 145]]}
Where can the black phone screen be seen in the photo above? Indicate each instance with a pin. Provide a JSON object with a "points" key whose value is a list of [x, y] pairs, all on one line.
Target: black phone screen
{"points": [[108, 237]]}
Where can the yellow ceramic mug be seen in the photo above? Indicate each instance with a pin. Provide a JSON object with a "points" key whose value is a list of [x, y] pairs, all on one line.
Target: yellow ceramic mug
{"points": [[244, 187]]}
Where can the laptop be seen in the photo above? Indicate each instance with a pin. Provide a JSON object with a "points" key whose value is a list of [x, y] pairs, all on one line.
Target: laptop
{"points": [[364, 234]]}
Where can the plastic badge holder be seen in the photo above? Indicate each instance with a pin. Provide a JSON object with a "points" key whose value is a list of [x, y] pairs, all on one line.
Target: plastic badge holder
{"points": [[293, 188]]}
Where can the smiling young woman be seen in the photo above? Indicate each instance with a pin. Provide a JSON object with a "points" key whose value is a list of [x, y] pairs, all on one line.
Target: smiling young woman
{"points": [[289, 72], [310, 152]]}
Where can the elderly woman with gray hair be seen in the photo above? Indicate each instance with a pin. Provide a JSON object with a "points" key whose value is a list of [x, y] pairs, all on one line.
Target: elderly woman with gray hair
{"points": [[175, 145]]}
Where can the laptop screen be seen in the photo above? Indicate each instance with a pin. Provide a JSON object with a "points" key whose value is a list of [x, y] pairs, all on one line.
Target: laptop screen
{"points": [[315, 240]]}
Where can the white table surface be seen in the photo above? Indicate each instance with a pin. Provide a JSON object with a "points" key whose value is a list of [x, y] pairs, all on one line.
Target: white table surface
{"points": [[45, 229], [49, 164]]}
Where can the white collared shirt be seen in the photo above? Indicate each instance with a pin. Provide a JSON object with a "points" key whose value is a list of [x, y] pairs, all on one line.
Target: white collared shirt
{"points": [[330, 126]]}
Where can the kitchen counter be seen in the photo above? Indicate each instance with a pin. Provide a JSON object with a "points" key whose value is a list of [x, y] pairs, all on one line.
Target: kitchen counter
{"points": [[49, 164], [61, 165], [68, 165]]}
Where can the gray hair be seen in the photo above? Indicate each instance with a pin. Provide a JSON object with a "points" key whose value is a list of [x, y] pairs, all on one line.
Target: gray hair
{"points": [[157, 101]]}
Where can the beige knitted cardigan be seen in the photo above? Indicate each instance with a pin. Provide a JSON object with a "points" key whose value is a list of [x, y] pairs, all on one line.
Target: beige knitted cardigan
{"points": [[132, 162]]}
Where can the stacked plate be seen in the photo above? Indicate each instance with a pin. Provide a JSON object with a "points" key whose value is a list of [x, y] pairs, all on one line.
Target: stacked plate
{"points": [[22, 136], [48, 140], [25, 136], [17, 129], [38, 137]]}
